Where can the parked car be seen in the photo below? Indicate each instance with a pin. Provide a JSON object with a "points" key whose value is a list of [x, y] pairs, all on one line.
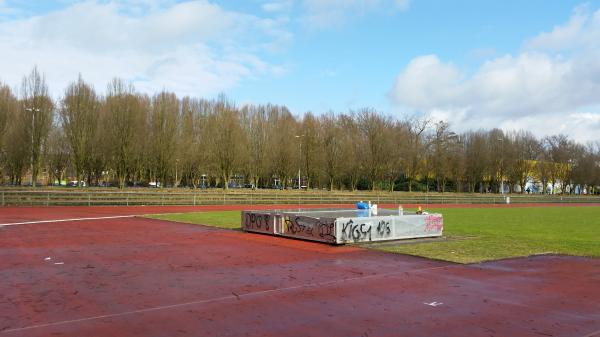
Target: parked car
{"points": [[154, 184], [74, 183]]}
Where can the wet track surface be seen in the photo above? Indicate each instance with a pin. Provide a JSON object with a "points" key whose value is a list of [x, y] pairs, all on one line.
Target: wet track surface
{"points": [[141, 277]]}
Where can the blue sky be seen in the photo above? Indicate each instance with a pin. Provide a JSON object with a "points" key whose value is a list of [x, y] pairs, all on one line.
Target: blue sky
{"points": [[477, 64]]}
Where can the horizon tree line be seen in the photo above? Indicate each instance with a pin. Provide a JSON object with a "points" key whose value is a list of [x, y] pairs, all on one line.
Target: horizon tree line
{"points": [[124, 137]]}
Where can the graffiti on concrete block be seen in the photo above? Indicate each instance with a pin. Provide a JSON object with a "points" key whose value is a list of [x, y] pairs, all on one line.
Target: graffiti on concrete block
{"points": [[383, 228], [257, 221], [332, 229], [356, 231], [327, 231], [303, 226], [434, 223], [365, 230]]}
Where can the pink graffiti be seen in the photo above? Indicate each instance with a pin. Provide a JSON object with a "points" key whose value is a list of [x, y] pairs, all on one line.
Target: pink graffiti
{"points": [[434, 223]]}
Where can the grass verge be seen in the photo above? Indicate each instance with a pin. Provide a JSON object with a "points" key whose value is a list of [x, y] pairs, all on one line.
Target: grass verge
{"points": [[223, 219], [481, 234]]}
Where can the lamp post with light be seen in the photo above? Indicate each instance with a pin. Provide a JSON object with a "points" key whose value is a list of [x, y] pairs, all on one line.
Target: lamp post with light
{"points": [[501, 140], [33, 110], [176, 184], [300, 157]]}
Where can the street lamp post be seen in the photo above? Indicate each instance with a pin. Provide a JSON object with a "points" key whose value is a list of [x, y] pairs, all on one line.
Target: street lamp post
{"points": [[501, 140], [569, 170], [33, 110], [300, 162], [176, 181]]}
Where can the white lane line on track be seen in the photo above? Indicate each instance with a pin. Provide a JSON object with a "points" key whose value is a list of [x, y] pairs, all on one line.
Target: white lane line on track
{"points": [[233, 296], [66, 220], [593, 334]]}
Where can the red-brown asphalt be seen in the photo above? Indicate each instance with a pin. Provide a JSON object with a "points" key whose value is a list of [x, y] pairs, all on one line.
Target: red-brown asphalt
{"points": [[141, 277]]}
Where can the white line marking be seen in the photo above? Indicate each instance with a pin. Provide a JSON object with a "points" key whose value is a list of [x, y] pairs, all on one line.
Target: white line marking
{"points": [[433, 304], [59, 263], [66, 220], [235, 297], [593, 334]]}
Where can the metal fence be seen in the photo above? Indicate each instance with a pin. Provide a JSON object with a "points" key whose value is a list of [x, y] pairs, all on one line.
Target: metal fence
{"points": [[90, 197]]}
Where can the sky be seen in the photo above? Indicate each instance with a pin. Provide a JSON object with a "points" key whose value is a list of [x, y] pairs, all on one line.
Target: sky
{"points": [[527, 64]]}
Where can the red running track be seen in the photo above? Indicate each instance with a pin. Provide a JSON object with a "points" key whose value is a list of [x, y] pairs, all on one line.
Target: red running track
{"points": [[141, 277], [27, 214]]}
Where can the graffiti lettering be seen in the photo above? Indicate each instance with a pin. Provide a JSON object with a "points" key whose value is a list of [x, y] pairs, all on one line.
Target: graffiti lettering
{"points": [[434, 223], [327, 231], [309, 227], [257, 221], [383, 228], [355, 231]]}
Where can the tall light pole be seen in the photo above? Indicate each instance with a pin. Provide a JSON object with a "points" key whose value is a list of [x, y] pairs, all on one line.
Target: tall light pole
{"points": [[176, 164], [33, 110], [501, 140], [300, 162]]}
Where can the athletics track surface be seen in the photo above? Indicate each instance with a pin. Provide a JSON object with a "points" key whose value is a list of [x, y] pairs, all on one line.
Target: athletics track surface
{"points": [[132, 276]]}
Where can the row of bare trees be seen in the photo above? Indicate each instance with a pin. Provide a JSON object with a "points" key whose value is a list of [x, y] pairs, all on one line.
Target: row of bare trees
{"points": [[124, 137]]}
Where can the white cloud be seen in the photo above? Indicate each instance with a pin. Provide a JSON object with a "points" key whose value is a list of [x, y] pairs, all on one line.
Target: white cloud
{"points": [[277, 6], [6, 9], [192, 47], [582, 30], [329, 13], [547, 92]]}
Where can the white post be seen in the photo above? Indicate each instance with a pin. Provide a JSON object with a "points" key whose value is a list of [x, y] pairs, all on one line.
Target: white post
{"points": [[300, 163], [33, 110], [501, 140]]}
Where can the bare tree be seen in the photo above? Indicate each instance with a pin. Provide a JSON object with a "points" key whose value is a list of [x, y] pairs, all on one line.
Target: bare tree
{"points": [[586, 170], [525, 149], [331, 138], [192, 141], [311, 146], [284, 146], [163, 127], [79, 116], [226, 138], [39, 109], [476, 157], [127, 116], [413, 158], [256, 127], [12, 135], [353, 149], [375, 130], [58, 154], [562, 152], [8, 104], [441, 142], [398, 138], [457, 162]]}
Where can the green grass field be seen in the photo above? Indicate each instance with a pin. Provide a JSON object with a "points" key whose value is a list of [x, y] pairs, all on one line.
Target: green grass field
{"points": [[226, 219], [480, 234]]}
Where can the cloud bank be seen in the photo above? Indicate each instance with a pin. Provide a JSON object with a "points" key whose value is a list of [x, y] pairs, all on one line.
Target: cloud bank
{"points": [[193, 47], [552, 85]]}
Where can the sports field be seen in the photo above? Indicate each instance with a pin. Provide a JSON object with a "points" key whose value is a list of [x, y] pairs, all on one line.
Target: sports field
{"points": [[106, 271], [480, 234]]}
